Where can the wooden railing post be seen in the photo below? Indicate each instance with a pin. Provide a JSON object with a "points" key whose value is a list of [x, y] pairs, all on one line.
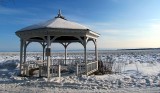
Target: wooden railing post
{"points": [[40, 70], [59, 72], [27, 68], [77, 71]]}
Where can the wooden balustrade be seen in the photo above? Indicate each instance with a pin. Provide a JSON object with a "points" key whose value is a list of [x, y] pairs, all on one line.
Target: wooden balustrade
{"points": [[80, 65]]}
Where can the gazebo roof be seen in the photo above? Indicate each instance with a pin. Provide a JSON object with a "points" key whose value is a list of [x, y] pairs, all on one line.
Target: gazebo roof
{"points": [[59, 26], [57, 22]]}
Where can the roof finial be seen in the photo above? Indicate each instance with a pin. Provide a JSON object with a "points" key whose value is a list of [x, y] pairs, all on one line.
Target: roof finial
{"points": [[60, 15]]}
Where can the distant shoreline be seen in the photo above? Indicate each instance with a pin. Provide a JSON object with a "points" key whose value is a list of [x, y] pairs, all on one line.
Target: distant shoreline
{"points": [[141, 49], [93, 50]]}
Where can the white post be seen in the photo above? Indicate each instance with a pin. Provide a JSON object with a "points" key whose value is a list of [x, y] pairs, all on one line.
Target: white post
{"points": [[85, 56], [52, 70], [43, 53], [59, 72], [21, 56], [65, 46], [27, 70], [77, 70], [65, 54], [96, 53], [25, 46], [40, 70], [80, 67], [48, 57]]}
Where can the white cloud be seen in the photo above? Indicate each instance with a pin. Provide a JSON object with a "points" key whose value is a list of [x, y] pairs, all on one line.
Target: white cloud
{"points": [[154, 30], [115, 1], [12, 11], [101, 24], [4, 10], [155, 19], [155, 27], [142, 37]]}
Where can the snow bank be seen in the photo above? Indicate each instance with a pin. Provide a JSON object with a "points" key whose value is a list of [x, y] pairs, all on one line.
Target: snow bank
{"points": [[138, 74], [147, 69]]}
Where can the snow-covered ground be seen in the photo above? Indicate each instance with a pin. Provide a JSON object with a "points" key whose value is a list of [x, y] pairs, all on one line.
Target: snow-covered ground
{"points": [[137, 72]]}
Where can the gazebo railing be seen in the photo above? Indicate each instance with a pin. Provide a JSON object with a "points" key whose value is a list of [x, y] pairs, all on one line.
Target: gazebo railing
{"points": [[67, 62], [91, 67], [32, 64], [78, 63]]}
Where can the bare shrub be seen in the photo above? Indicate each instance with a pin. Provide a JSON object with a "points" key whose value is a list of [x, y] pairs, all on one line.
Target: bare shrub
{"points": [[105, 67]]}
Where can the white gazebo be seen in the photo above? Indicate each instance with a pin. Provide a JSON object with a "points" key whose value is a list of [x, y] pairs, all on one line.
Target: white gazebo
{"points": [[57, 30]]}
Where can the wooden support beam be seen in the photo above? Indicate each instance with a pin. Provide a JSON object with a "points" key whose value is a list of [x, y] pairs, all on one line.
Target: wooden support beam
{"points": [[96, 53], [77, 69], [48, 57], [21, 55], [85, 54], [59, 72]]}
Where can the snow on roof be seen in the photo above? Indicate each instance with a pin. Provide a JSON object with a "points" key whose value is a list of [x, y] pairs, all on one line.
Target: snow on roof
{"points": [[57, 22]]}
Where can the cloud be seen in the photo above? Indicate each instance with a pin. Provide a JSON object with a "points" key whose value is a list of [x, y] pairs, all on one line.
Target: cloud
{"points": [[4, 10], [25, 16], [155, 27], [30, 21], [115, 1], [12, 11], [155, 19], [102, 24], [99, 25], [116, 43], [145, 36], [125, 33], [154, 30]]}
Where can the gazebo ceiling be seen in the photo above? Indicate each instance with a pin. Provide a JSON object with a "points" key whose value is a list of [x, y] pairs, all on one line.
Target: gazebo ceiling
{"points": [[58, 26]]}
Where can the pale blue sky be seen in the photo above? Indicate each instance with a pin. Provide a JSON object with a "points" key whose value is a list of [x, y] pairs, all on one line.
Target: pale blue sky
{"points": [[121, 23]]}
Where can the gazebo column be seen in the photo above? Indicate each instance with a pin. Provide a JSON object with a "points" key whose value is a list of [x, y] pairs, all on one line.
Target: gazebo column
{"points": [[25, 66], [48, 54], [85, 55], [21, 55], [43, 51], [96, 52], [26, 43], [65, 47], [25, 47], [85, 59], [43, 58], [65, 55]]}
